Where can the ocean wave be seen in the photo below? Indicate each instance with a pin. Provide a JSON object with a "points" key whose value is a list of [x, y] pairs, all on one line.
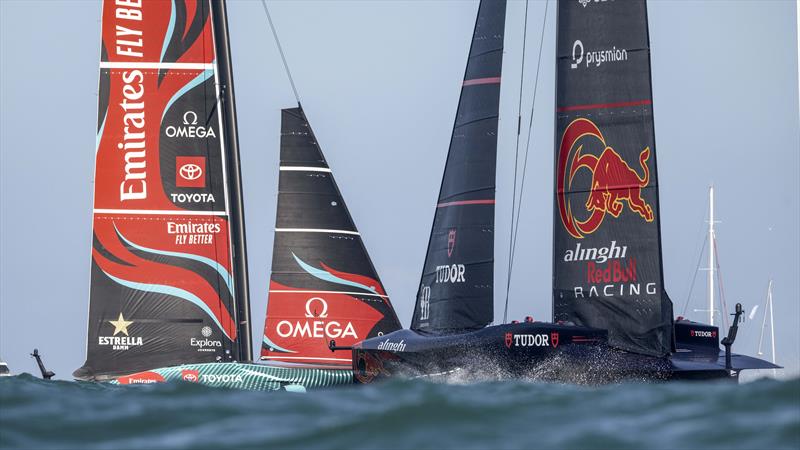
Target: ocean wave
{"points": [[402, 414]]}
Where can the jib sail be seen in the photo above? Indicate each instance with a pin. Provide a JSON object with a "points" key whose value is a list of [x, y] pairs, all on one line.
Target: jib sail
{"points": [[607, 245], [323, 284], [456, 289], [167, 285]]}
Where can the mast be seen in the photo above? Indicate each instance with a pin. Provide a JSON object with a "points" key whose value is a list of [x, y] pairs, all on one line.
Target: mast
{"points": [[711, 240], [225, 68]]}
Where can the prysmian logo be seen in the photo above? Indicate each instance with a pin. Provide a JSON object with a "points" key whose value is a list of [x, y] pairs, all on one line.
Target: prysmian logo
{"points": [[596, 57], [190, 128], [586, 2]]}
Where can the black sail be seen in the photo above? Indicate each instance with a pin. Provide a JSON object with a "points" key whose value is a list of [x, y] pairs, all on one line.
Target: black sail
{"points": [[456, 289], [607, 243], [323, 284]]}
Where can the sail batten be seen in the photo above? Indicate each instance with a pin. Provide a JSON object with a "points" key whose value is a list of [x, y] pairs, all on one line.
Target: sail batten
{"points": [[607, 244], [323, 285], [456, 287]]}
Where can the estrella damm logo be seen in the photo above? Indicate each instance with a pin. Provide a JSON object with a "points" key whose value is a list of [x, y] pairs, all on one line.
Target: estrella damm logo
{"points": [[613, 180]]}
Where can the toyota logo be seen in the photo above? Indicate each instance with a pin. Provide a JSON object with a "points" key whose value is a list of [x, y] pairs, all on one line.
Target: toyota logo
{"points": [[190, 172]]}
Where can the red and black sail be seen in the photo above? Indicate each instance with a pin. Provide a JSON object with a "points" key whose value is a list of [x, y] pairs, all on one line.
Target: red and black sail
{"points": [[323, 284], [167, 285], [456, 289], [607, 244]]}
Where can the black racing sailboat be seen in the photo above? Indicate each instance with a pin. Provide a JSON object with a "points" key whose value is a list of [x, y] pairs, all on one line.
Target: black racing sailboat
{"points": [[612, 318], [169, 288]]}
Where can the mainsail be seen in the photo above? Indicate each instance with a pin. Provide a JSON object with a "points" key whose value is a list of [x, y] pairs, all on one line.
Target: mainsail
{"points": [[323, 284], [456, 289], [607, 243], [168, 281]]}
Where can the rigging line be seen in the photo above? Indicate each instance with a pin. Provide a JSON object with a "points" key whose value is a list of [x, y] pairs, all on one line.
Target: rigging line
{"points": [[516, 159], [694, 278], [528, 143], [280, 50]]}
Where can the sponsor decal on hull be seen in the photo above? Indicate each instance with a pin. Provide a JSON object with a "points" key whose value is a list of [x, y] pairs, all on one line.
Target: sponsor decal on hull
{"points": [[141, 378], [533, 340], [392, 346], [192, 376], [703, 333]]}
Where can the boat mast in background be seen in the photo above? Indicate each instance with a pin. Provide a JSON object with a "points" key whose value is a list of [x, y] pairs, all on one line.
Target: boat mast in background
{"points": [[714, 274], [768, 305], [711, 241]]}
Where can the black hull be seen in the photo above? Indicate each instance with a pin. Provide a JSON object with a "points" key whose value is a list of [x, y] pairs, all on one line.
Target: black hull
{"points": [[535, 351]]}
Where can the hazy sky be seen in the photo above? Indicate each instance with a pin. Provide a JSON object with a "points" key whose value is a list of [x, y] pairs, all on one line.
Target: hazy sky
{"points": [[380, 82]]}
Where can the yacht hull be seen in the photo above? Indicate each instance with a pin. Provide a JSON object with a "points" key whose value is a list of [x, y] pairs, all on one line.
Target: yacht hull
{"points": [[528, 351], [248, 376]]}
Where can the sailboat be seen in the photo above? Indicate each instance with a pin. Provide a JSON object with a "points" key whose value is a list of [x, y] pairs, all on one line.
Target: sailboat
{"points": [[169, 286], [612, 318]]}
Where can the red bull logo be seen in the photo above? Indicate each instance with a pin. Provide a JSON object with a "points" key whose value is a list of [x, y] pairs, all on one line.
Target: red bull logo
{"points": [[613, 184]]}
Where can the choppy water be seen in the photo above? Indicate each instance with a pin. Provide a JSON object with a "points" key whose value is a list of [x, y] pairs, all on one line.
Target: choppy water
{"points": [[402, 414]]}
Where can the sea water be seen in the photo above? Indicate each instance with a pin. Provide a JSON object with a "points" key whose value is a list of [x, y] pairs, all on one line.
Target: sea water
{"points": [[761, 414]]}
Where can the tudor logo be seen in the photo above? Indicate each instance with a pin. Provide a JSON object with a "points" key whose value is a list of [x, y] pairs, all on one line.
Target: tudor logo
{"points": [[536, 340], [451, 242], [509, 339], [313, 312], [424, 302], [190, 171]]}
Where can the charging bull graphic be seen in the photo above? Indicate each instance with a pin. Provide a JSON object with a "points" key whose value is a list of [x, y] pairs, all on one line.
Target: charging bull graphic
{"points": [[613, 180]]}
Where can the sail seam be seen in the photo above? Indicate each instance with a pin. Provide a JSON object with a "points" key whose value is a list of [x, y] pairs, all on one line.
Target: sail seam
{"points": [[304, 169], [160, 211], [154, 65], [314, 230], [312, 291]]}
